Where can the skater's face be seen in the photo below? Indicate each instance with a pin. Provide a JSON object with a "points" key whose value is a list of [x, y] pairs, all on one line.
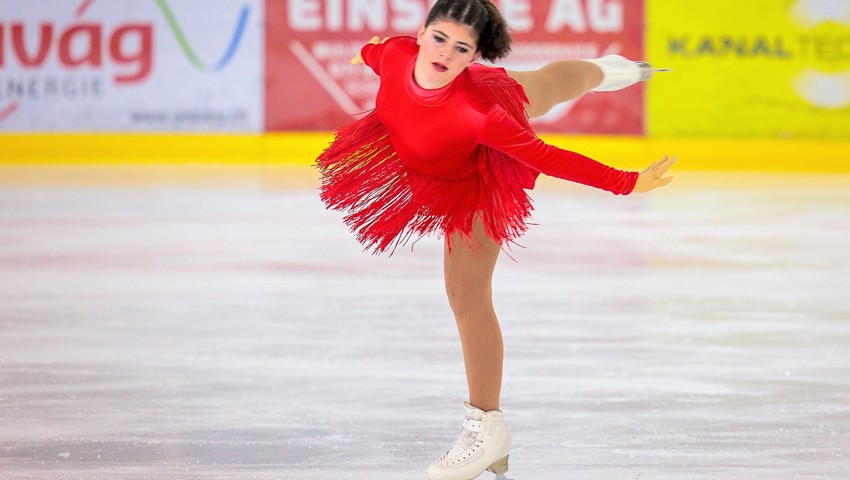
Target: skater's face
{"points": [[446, 48]]}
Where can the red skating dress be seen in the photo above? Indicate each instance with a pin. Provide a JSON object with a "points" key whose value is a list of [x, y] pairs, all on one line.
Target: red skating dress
{"points": [[431, 161]]}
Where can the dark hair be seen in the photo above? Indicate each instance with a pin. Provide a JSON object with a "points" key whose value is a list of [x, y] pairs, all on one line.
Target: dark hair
{"points": [[494, 41]]}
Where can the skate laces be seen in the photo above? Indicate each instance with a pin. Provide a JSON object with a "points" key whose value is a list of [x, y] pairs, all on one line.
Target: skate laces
{"points": [[467, 439]]}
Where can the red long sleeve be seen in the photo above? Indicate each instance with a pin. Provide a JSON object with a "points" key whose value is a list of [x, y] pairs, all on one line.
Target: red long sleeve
{"points": [[503, 133]]}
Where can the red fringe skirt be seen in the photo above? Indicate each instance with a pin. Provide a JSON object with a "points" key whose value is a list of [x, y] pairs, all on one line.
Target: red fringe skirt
{"points": [[387, 204]]}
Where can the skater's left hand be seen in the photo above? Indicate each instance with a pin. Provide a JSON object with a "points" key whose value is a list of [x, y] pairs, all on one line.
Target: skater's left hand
{"points": [[653, 176]]}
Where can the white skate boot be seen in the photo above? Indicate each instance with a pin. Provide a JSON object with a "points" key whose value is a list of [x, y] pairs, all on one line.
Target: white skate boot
{"points": [[620, 72], [483, 444]]}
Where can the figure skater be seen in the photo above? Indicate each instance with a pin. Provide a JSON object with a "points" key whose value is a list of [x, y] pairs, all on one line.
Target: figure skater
{"points": [[448, 150]]}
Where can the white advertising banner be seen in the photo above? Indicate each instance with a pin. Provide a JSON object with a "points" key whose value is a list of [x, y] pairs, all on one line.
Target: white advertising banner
{"points": [[131, 65]]}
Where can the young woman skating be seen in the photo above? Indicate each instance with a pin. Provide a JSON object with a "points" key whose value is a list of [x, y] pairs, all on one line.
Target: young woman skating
{"points": [[448, 150]]}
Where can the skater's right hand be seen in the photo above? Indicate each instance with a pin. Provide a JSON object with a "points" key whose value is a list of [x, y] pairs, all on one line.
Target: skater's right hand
{"points": [[653, 176], [357, 60]]}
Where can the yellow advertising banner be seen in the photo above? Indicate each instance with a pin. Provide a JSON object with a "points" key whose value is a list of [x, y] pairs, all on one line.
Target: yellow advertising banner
{"points": [[754, 68]]}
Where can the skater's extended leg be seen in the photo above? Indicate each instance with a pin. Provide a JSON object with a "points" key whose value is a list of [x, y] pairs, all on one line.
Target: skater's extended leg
{"points": [[556, 82], [565, 80], [468, 276]]}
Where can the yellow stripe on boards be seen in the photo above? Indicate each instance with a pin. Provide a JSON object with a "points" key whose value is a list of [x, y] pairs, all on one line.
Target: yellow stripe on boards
{"points": [[297, 148], [283, 148]]}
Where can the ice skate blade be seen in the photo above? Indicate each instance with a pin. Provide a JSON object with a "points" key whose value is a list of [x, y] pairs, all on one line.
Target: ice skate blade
{"points": [[500, 466], [646, 71]]}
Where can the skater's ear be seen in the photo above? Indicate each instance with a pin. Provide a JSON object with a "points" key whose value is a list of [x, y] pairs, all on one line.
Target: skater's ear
{"points": [[420, 34]]}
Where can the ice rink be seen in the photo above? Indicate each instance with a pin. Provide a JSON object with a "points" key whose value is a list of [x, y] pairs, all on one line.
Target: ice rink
{"points": [[226, 326]]}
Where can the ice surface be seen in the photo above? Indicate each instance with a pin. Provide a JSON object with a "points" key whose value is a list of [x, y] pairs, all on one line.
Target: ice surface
{"points": [[173, 331]]}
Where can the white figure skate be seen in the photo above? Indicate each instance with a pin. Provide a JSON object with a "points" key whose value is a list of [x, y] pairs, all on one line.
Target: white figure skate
{"points": [[483, 444], [620, 72]]}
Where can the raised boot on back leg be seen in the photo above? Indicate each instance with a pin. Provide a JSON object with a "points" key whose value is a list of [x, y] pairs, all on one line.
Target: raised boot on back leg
{"points": [[619, 72]]}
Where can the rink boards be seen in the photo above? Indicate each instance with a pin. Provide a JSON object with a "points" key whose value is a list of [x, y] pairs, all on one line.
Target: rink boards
{"points": [[301, 148]]}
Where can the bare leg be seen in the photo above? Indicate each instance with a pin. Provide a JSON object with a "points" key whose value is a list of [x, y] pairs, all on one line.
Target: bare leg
{"points": [[468, 275], [555, 83]]}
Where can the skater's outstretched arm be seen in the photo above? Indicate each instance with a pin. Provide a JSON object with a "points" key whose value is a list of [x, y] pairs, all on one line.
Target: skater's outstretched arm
{"points": [[555, 83]]}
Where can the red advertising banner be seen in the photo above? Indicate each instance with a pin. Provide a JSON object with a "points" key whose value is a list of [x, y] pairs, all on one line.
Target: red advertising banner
{"points": [[310, 84]]}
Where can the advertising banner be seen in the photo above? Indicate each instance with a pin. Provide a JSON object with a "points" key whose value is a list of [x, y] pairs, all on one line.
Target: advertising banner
{"points": [[759, 68], [131, 65], [311, 84]]}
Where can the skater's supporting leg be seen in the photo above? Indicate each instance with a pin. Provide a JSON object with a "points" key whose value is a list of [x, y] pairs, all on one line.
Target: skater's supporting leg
{"points": [[468, 276], [556, 82]]}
